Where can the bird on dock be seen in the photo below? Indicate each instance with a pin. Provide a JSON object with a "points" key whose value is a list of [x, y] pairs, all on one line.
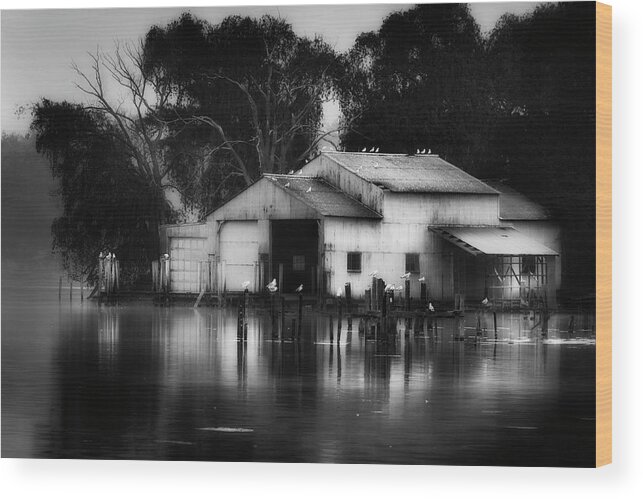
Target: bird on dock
{"points": [[377, 149], [429, 151], [272, 287], [300, 288], [423, 151], [421, 279], [364, 149], [431, 309], [405, 276], [417, 151], [291, 172], [310, 189], [372, 149], [245, 284]]}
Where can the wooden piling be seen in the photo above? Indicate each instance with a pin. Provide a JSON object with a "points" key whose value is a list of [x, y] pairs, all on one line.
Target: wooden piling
{"points": [[349, 305], [374, 295], [423, 292], [300, 306], [407, 295], [330, 327], [495, 325], [281, 277], [367, 296], [293, 325], [245, 315], [570, 327], [283, 317], [240, 321]]}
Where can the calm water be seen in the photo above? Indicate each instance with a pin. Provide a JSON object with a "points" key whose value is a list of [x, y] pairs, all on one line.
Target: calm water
{"points": [[144, 382]]}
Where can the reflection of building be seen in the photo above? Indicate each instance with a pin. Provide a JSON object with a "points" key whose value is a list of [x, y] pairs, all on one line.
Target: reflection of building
{"points": [[346, 215]]}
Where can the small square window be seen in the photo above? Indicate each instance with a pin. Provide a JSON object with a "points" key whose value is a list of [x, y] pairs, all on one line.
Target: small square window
{"points": [[413, 262], [298, 263], [354, 262]]}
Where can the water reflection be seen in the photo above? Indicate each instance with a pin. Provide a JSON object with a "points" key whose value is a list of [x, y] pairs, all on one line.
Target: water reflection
{"points": [[143, 382]]}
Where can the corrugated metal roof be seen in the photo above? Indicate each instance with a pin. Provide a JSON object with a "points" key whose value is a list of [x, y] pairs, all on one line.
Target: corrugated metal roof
{"points": [[323, 197], [404, 173], [517, 206], [492, 241]]}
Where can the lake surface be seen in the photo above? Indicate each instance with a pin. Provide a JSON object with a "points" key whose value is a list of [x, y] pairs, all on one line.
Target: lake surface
{"points": [[135, 381]]}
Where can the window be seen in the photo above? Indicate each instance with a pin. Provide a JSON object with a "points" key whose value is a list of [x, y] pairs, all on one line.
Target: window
{"points": [[298, 263], [354, 262], [413, 262], [529, 265]]}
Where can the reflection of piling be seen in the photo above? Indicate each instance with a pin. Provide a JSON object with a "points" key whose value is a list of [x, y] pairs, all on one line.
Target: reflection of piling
{"points": [[273, 318], [330, 327], [70, 292], [245, 315], [367, 296], [570, 327], [240, 321], [478, 325], [82, 289], [339, 320], [60, 288]]}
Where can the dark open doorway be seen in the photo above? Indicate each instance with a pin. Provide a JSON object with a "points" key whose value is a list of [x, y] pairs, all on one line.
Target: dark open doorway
{"points": [[295, 245]]}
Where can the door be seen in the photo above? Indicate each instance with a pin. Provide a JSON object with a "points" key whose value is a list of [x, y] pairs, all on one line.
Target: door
{"points": [[185, 255], [239, 254]]}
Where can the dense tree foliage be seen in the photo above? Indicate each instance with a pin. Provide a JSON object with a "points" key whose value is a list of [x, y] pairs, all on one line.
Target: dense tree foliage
{"points": [[247, 98], [107, 204], [543, 67], [420, 82]]}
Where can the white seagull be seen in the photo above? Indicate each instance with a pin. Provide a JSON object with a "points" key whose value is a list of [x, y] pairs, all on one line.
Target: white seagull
{"points": [[373, 274], [287, 184], [310, 189], [291, 172], [299, 288], [364, 150], [389, 287], [405, 276], [377, 149], [245, 284], [272, 287], [431, 309], [485, 301], [421, 279], [429, 151], [339, 292], [423, 151], [372, 149], [417, 151]]}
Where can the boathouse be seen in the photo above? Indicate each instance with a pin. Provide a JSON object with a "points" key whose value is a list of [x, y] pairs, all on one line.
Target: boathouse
{"points": [[346, 216]]}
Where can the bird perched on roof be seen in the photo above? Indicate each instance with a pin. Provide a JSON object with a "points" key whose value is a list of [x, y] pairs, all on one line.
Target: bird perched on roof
{"points": [[272, 287], [300, 288], [405, 276], [287, 184], [310, 189], [422, 279], [431, 309], [245, 284]]}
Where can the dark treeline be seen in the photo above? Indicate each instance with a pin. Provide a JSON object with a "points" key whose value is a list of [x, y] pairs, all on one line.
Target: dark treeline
{"points": [[244, 97]]}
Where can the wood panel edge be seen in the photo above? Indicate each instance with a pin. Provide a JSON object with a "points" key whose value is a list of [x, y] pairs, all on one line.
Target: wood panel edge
{"points": [[603, 234]]}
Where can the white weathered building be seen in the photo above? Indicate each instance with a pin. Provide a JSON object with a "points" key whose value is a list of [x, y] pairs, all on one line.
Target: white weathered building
{"points": [[345, 216]]}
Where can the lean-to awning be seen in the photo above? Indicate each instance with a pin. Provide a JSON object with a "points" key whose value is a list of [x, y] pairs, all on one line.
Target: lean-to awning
{"points": [[492, 241]]}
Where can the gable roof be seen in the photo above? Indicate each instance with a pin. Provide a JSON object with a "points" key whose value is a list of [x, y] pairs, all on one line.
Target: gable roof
{"points": [[324, 198], [422, 173], [517, 206]]}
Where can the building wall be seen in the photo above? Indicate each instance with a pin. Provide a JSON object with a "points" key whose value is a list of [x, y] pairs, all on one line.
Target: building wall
{"points": [[441, 209], [384, 247]]}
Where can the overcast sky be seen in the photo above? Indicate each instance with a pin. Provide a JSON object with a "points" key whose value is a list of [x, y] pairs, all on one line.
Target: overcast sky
{"points": [[38, 46]]}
